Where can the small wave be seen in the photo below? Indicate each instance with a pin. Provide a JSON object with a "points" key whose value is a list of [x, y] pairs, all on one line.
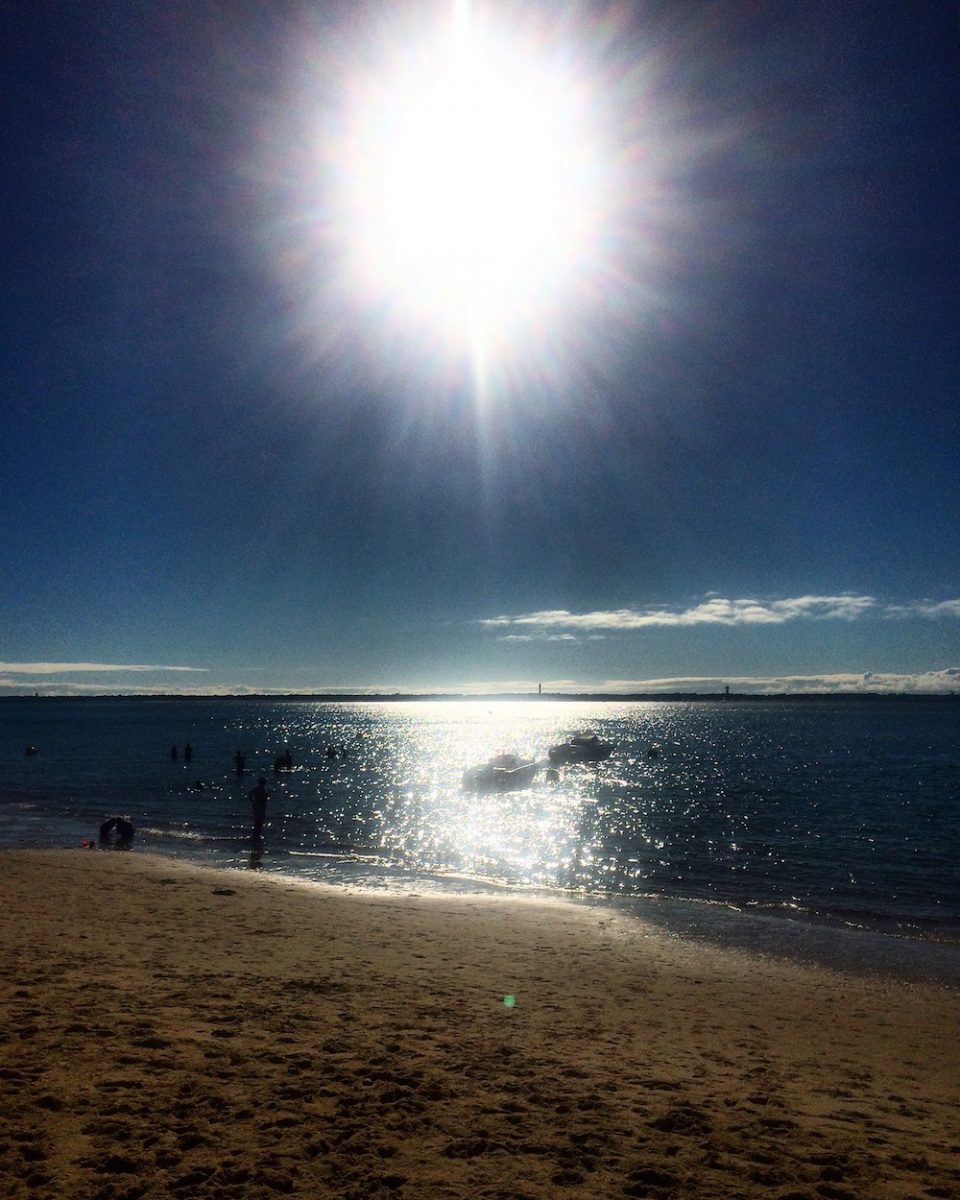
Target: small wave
{"points": [[188, 835], [18, 801]]}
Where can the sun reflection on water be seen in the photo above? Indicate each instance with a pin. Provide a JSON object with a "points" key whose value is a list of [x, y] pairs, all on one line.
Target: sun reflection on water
{"points": [[413, 760]]}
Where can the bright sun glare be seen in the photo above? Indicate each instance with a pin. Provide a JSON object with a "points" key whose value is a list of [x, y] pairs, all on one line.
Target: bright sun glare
{"points": [[471, 193]]}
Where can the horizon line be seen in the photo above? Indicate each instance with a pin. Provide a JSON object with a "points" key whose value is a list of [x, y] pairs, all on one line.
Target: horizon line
{"points": [[356, 697]]}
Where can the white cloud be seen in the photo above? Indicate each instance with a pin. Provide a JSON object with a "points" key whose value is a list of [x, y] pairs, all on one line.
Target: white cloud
{"points": [[718, 611], [846, 607], [538, 637], [925, 608], [715, 610], [70, 687], [65, 668]]}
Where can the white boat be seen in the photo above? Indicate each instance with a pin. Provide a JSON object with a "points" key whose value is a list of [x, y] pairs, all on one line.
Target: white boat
{"points": [[503, 773], [581, 748]]}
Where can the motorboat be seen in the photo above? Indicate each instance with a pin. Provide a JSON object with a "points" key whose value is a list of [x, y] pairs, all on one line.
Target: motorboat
{"points": [[503, 773], [581, 748]]}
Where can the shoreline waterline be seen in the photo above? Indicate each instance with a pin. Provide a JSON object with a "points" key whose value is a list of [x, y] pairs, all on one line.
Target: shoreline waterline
{"points": [[790, 938]]}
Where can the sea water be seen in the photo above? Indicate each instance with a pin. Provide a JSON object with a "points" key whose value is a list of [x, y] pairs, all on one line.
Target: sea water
{"points": [[762, 823]]}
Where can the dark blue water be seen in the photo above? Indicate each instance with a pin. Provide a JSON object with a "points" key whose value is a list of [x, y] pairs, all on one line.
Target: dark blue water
{"points": [[823, 814]]}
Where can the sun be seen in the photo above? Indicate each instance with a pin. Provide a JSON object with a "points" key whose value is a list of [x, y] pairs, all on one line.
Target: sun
{"points": [[478, 199], [470, 189]]}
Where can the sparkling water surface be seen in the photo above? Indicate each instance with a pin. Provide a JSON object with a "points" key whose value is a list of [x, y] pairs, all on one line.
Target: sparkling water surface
{"points": [[836, 814]]}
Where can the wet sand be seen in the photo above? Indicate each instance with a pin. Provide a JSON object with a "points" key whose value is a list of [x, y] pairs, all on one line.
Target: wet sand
{"points": [[173, 1031]]}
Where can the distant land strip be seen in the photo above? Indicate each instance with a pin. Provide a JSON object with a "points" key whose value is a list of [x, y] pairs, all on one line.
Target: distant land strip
{"points": [[491, 697]]}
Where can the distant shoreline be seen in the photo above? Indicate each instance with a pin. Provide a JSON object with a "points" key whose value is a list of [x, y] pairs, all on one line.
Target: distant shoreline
{"points": [[582, 697]]}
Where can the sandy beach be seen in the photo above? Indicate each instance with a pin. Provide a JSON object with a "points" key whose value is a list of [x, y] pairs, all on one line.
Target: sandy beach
{"points": [[177, 1031]]}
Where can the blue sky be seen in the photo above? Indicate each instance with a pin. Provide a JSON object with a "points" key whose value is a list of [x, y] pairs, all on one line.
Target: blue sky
{"points": [[720, 445]]}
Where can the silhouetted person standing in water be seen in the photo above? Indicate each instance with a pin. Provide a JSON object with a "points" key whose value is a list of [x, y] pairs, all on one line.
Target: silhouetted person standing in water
{"points": [[187, 752], [258, 798]]}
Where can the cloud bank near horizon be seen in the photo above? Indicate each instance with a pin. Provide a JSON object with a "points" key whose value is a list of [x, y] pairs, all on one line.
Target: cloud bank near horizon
{"points": [[943, 681], [938, 682], [68, 668], [556, 623]]}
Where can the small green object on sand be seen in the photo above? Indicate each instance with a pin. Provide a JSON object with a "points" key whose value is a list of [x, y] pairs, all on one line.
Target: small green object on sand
{"points": [[509, 1001]]}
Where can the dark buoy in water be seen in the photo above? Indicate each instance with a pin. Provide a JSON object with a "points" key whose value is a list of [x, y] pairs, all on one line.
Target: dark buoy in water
{"points": [[31, 750]]}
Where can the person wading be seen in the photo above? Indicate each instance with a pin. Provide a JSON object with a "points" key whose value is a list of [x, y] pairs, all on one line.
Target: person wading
{"points": [[258, 799]]}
